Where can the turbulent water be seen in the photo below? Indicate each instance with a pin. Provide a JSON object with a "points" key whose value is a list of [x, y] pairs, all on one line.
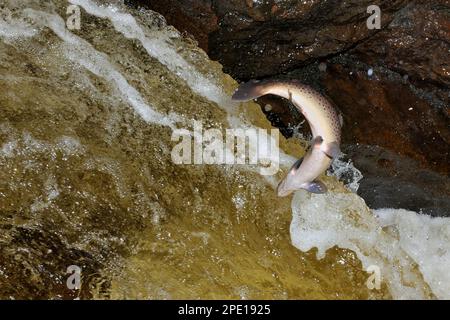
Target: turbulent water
{"points": [[87, 179]]}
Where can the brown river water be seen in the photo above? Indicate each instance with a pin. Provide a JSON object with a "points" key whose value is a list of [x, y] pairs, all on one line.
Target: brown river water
{"points": [[87, 179]]}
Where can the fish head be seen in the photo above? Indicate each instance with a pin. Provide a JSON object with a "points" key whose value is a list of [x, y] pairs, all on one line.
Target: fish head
{"points": [[283, 189], [249, 90], [291, 182]]}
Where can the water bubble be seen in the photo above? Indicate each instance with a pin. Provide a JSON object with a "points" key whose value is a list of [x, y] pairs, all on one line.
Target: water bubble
{"points": [[323, 67]]}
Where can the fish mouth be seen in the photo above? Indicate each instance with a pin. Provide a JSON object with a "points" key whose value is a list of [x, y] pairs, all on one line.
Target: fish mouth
{"points": [[282, 191]]}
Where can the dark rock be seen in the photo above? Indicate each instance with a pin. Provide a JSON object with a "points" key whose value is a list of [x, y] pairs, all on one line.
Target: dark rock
{"points": [[265, 38], [46, 277], [382, 110], [416, 44], [398, 182]]}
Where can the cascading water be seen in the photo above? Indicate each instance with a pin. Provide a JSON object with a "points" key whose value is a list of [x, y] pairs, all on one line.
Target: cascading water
{"points": [[87, 179]]}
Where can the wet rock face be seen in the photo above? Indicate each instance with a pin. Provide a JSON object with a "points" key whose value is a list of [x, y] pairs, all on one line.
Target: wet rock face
{"points": [[415, 44], [384, 110], [270, 37], [399, 181]]}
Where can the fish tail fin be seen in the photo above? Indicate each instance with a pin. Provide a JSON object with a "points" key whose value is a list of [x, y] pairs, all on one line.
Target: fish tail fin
{"points": [[249, 90], [315, 187]]}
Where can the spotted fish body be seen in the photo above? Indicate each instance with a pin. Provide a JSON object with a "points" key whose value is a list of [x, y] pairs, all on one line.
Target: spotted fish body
{"points": [[323, 120]]}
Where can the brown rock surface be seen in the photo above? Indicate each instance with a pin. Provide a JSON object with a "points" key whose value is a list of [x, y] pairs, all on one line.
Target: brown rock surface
{"points": [[384, 111], [270, 37]]}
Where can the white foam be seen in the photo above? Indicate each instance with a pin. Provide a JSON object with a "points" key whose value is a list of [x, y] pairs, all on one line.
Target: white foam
{"points": [[52, 192], [70, 145], [426, 240], [8, 148], [411, 241], [12, 29], [347, 172], [27, 145]]}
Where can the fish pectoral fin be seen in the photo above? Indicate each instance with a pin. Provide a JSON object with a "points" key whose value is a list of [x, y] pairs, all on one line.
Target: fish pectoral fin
{"points": [[296, 166], [331, 149], [315, 187]]}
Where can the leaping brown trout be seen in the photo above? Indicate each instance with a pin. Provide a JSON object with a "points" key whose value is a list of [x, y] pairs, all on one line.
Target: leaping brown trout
{"points": [[323, 120]]}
